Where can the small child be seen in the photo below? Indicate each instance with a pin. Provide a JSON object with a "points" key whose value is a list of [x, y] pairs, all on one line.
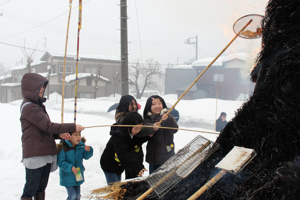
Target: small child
{"points": [[161, 145], [69, 159]]}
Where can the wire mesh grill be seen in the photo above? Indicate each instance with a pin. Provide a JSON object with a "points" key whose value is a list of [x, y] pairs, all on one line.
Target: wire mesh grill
{"points": [[253, 30], [180, 165]]}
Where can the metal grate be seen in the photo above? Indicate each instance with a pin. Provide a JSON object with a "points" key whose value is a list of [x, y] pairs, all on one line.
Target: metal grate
{"points": [[180, 165]]}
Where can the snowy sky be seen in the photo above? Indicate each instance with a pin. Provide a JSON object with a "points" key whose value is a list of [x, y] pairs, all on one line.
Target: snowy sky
{"points": [[156, 29], [195, 115]]}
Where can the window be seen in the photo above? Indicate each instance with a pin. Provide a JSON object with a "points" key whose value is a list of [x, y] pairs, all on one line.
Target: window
{"points": [[68, 69], [86, 95], [17, 78], [92, 70], [219, 77], [89, 81]]}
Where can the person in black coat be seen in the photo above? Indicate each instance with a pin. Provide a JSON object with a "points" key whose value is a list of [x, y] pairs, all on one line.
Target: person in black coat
{"points": [[127, 105], [221, 122], [117, 154]]}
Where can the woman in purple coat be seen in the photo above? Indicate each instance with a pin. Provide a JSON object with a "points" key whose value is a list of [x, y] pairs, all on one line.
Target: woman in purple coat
{"points": [[38, 144]]}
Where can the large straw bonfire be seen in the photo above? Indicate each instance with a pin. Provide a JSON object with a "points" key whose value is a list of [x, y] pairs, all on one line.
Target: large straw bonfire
{"points": [[269, 123]]}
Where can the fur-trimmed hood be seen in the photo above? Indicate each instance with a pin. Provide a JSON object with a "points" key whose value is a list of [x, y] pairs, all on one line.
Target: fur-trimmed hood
{"points": [[65, 146]]}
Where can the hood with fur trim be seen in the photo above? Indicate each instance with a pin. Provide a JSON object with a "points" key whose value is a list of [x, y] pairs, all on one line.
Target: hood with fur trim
{"points": [[63, 145]]}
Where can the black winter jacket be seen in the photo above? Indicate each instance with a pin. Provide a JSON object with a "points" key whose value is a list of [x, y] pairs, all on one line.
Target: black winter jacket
{"points": [[116, 156], [161, 145]]}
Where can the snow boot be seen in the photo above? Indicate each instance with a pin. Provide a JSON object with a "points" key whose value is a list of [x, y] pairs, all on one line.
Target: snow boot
{"points": [[29, 198], [39, 196]]}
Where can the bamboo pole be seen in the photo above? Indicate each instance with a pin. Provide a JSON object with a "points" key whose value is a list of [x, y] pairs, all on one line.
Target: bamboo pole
{"points": [[64, 69], [208, 185], [183, 129], [206, 69], [77, 57]]}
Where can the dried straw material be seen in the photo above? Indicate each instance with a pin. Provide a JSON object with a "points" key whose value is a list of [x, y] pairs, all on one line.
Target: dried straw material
{"points": [[113, 191]]}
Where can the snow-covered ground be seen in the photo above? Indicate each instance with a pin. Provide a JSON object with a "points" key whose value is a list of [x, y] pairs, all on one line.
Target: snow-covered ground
{"points": [[194, 115]]}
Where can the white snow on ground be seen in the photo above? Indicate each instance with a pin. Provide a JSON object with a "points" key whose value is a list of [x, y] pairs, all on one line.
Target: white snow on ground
{"points": [[194, 114]]}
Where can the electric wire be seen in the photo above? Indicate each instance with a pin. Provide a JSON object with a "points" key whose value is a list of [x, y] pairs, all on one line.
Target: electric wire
{"points": [[138, 26], [43, 23]]}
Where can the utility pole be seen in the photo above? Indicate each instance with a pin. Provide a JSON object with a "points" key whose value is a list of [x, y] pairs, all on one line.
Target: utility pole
{"points": [[194, 41], [124, 48]]}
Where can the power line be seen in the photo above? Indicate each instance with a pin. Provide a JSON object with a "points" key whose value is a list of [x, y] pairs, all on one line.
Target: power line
{"points": [[137, 19], [4, 2], [40, 23], [13, 45]]}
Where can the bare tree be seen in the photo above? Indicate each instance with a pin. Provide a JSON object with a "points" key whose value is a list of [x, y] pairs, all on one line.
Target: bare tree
{"points": [[142, 76], [28, 54], [96, 77]]}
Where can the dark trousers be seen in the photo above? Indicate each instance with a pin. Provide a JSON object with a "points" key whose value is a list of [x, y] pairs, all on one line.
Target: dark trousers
{"points": [[112, 177], [129, 175], [152, 168], [36, 180]]}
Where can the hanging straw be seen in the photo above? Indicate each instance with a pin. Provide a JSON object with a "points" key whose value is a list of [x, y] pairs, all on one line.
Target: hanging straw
{"points": [[77, 58], [64, 69]]}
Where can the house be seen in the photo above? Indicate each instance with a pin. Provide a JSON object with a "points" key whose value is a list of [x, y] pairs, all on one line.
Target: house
{"points": [[98, 76], [228, 78]]}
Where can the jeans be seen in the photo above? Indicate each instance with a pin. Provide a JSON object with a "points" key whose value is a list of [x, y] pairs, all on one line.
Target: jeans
{"points": [[152, 168], [112, 177], [36, 180], [73, 192]]}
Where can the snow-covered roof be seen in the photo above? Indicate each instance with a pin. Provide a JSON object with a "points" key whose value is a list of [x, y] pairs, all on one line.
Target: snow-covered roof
{"points": [[5, 77], [45, 74], [18, 67], [72, 77], [219, 62], [183, 67], [11, 84], [239, 56], [86, 56], [207, 61]]}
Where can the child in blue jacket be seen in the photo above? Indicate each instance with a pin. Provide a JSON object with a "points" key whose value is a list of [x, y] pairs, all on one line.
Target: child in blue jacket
{"points": [[69, 159]]}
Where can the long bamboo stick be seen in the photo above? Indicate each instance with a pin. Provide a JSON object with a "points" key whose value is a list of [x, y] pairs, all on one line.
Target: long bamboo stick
{"points": [[208, 185], [64, 69], [217, 133], [206, 69], [77, 57]]}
